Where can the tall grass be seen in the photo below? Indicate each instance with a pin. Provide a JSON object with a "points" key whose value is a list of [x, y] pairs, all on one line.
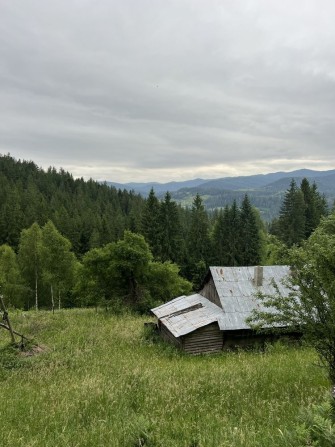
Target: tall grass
{"points": [[101, 382]]}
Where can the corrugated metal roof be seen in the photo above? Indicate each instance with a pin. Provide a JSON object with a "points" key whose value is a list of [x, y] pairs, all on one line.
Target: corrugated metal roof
{"points": [[237, 293]]}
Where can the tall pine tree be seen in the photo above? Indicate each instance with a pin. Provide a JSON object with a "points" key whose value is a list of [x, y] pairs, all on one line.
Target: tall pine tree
{"points": [[169, 230], [151, 223], [198, 243], [292, 219], [250, 240]]}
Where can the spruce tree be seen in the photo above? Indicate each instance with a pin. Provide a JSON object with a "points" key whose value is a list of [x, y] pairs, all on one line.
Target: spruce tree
{"points": [[198, 242], [292, 220], [151, 223], [233, 240], [169, 230], [312, 217], [220, 237], [250, 241]]}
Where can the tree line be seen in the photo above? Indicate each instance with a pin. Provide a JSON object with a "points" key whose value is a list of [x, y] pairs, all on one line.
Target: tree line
{"points": [[55, 230]]}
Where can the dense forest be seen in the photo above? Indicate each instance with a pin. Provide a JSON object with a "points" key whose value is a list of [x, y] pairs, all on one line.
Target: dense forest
{"points": [[69, 242]]}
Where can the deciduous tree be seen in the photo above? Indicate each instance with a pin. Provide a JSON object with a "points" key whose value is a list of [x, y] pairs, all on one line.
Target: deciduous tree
{"points": [[29, 258], [58, 261], [11, 285], [310, 306]]}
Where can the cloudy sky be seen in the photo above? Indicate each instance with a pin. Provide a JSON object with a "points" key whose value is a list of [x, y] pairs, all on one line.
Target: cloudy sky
{"points": [[160, 90]]}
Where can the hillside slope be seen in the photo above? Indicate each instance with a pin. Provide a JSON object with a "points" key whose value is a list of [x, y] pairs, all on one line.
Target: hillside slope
{"points": [[101, 381], [265, 191]]}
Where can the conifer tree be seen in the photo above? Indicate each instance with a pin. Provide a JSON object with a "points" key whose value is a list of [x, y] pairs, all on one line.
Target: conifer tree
{"points": [[292, 220], [233, 241], [312, 217], [198, 242], [220, 237], [169, 230], [250, 241], [151, 223]]}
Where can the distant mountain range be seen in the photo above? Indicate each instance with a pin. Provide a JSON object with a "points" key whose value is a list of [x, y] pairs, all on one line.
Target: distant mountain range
{"points": [[265, 191]]}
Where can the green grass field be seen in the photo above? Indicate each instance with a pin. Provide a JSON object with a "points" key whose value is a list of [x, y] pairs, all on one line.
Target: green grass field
{"points": [[102, 382]]}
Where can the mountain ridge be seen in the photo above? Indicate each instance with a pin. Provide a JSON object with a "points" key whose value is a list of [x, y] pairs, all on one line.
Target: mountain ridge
{"points": [[265, 191], [233, 183]]}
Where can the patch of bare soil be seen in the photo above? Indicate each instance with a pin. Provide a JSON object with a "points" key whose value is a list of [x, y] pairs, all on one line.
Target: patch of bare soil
{"points": [[33, 350]]}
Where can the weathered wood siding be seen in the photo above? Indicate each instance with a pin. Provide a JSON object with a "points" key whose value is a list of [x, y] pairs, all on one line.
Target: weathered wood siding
{"points": [[168, 336], [209, 291], [205, 340]]}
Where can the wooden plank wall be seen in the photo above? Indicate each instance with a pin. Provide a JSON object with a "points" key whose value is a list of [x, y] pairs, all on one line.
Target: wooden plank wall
{"points": [[205, 340], [209, 291], [168, 336]]}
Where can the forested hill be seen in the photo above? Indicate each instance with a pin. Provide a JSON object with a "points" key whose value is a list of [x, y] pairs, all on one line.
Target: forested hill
{"points": [[266, 191], [88, 213]]}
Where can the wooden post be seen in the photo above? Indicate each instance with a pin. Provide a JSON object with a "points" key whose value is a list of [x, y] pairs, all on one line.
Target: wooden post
{"points": [[36, 294], [52, 299], [6, 318]]}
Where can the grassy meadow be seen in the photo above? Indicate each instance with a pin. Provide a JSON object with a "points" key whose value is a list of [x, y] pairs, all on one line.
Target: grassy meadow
{"points": [[101, 382]]}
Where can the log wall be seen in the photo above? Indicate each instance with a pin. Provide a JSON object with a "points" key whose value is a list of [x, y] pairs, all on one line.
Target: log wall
{"points": [[209, 291], [168, 336], [205, 340]]}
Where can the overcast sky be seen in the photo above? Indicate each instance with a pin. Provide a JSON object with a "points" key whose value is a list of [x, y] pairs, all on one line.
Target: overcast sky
{"points": [[160, 90]]}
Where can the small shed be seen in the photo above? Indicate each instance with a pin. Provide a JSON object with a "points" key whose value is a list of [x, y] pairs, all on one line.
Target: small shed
{"points": [[215, 318]]}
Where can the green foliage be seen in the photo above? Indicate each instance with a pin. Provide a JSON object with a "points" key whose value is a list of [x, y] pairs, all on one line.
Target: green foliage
{"points": [[170, 231], [125, 271], [277, 252], [129, 264], [315, 427], [11, 284], [300, 213], [310, 306], [237, 236], [198, 242], [58, 261], [93, 284], [30, 258], [165, 283], [250, 238], [87, 213], [151, 223]]}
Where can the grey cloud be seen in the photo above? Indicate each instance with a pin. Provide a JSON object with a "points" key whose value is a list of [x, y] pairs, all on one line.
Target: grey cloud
{"points": [[145, 86]]}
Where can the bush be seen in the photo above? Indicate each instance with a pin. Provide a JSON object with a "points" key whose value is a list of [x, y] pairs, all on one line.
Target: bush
{"points": [[315, 427]]}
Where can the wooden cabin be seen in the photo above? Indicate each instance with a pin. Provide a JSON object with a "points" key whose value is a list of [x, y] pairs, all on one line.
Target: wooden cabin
{"points": [[214, 318]]}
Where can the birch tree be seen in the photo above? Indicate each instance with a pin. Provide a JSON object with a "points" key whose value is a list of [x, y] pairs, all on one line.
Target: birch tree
{"points": [[58, 262], [29, 258]]}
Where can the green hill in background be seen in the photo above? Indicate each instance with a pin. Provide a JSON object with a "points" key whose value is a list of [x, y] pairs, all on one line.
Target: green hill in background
{"points": [[265, 191]]}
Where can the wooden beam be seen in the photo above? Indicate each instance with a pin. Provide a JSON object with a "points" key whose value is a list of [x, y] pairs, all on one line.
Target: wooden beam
{"points": [[6, 318]]}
